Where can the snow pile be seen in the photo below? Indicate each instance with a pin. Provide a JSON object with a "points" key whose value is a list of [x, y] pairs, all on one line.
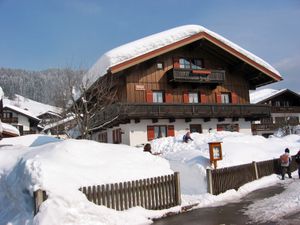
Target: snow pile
{"points": [[150, 43], [191, 159], [260, 95], [60, 168], [36, 108], [5, 127], [276, 207]]}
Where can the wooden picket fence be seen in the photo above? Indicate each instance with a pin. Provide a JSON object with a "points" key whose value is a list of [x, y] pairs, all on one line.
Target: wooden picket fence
{"points": [[152, 193], [223, 179]]}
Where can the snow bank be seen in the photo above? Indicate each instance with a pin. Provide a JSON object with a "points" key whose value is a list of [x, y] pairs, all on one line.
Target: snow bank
{"points": [[61, 168], [191, 159], [9, 128], [150, 43]]}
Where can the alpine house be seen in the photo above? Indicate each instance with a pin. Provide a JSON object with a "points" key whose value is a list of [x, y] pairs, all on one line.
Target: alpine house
{"points": [[184, 78]]}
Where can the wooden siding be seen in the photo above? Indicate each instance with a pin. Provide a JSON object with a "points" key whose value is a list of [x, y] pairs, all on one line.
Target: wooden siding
{"points": [[147, 75]]}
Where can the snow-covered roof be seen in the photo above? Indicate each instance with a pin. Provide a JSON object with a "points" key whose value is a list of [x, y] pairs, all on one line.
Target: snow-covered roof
{"points": [[157, 41], [36, 108], [264, 94], [65, 120], [21, 111]]}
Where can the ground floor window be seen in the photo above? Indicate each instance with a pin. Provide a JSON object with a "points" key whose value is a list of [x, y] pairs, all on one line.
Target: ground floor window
{"points": [[102, 137], [228, 127], [196, 128], [159, 131]]}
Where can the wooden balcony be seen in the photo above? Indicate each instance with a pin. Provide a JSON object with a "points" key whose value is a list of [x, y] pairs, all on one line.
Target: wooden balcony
{"points": [[268, 127], [181, 111], [10, 120], [204, 76], [289, 109]]}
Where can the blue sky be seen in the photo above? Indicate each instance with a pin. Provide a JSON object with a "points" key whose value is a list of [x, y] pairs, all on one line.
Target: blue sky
{"points": [[40, 34]]}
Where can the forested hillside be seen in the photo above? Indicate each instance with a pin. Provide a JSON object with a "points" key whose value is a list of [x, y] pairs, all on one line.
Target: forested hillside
{"points": [[47, 86]]}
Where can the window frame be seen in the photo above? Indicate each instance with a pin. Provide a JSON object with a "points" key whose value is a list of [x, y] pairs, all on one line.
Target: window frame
{"points": [[194, 93], [189, 63], [155, 97]]}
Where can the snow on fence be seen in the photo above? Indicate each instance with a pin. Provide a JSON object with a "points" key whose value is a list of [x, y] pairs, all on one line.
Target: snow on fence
{"points": [[223, 179], [152, 193]]}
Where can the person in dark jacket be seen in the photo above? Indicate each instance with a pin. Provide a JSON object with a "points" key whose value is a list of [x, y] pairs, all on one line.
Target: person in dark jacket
{"points": [[187, 137], [297, 160], [285, 162]]}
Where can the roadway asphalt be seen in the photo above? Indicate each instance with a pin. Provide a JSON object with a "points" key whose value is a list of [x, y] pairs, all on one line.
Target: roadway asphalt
{"points": [[229, 214]]}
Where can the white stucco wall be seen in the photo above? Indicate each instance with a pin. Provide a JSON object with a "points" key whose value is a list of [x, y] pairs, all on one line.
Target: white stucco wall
{"points": [[135, 134]]}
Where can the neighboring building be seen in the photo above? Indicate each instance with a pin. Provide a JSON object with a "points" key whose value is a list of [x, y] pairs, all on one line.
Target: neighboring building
{"points": [[60, 128], [49, 117], [22, 119], [184, 78], [6, 130], [285, 110]]}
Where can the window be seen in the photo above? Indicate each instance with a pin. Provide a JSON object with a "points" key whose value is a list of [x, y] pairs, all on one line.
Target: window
{"points": [[160, 66], [196, 128], [7, 115], [277, 103], [286, 103], [117, 136], [160, 131], [225, 98], [193, 97], [184, 64], [194, 64], [158, 97], [228, 127]]}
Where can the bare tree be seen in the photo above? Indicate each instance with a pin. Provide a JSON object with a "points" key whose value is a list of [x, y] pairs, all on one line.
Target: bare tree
{"points": [[91, 102]]}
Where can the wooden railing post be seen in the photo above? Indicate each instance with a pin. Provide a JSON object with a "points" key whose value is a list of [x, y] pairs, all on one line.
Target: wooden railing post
{"points": [[255, 169], [209, 181], [38, 200], [177, 188]]}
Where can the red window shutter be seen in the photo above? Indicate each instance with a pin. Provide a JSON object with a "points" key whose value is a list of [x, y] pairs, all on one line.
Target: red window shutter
{"points": [[150, 133], [169, 97], [234, 98], [203, 98], [185, 97], [176, 63], [171, 131], [218, 98], [149, 96]]}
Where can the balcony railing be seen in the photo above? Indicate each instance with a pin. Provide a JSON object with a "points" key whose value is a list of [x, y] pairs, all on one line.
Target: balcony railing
{"points": [[197, 76], [10, 120], [285, 109], [160, 111]]}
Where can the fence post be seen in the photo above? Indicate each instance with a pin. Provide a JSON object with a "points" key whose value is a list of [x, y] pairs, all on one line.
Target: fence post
{"points": [[209, 181], [255, 169], [38, 200], [177, 188]]}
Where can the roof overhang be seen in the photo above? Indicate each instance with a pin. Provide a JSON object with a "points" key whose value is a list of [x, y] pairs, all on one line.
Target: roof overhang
{"points": [[201, 35]]}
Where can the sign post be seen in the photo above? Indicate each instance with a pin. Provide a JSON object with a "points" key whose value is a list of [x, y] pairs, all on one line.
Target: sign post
{"points": [[215, 152]]}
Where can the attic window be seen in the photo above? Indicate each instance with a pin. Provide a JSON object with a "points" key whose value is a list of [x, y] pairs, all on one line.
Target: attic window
{"points": [[160, 66]]}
